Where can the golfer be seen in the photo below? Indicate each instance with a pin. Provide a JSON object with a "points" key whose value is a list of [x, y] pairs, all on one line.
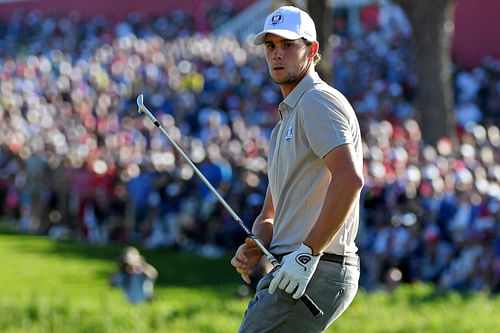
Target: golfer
{"points": [[310, 214]]}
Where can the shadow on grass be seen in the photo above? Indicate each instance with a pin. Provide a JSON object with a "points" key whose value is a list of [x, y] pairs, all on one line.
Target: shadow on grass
{"points": [[175, 268]]}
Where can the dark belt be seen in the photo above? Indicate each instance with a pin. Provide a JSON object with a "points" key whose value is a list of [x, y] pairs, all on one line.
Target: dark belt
{"points": [[331, 257]]}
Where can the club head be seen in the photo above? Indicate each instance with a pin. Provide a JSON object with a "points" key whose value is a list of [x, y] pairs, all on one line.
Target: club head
{"points": [[140, 103], [144, 109]]}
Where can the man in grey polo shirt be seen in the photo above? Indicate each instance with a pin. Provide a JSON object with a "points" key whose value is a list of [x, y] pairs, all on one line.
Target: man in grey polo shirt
{"points": [[310, 215]]}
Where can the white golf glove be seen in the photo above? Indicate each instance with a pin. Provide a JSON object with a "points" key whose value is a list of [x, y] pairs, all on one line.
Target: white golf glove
{"points": [[297, 269]]}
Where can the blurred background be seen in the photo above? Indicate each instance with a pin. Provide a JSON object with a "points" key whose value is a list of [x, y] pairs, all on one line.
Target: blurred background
{"points": [[77, 162]]}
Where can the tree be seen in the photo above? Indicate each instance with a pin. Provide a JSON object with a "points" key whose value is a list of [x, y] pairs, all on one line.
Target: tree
{"points": [[322, 16], [432, 25]]}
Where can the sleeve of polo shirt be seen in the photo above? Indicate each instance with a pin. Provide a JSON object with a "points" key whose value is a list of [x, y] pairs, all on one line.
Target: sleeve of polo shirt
{"points": [[325, 124]]}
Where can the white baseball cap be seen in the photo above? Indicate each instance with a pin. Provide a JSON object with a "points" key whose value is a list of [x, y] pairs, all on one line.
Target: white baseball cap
{"points": [[288, 22]]}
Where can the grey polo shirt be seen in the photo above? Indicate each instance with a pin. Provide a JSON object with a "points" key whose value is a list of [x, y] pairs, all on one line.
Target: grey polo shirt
{"points": [[315, 118]]}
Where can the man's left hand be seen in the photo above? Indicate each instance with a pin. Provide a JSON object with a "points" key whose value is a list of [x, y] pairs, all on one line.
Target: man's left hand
{"points": [[297, 269]]}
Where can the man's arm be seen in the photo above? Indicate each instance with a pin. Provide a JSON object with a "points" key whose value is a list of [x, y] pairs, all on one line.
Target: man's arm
{"points": [[345, 186], [249, 254], [263, 225], [150, 271]]}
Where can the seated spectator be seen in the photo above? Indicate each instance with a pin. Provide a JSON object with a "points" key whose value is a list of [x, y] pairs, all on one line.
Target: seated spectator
{"points": [[135, 276]]}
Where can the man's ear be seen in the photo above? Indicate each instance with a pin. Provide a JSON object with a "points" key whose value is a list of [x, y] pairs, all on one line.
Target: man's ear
{"points": [[314, 48]]}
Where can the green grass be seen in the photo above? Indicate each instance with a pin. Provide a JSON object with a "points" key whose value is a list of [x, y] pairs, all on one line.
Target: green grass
{"points": [[48, 286]]}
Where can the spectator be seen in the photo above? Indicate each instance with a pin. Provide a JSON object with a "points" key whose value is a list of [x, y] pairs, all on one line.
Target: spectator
{"points": [[135, 276]]}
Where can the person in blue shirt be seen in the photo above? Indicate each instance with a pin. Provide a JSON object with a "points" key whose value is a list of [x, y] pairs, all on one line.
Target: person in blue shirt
{"points": [[135, 276]]}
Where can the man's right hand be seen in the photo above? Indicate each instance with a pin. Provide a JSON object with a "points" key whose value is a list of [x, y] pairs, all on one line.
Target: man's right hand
{"points": [[247, 257]]}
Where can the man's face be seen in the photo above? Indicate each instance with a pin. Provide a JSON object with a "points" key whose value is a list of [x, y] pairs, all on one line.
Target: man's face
{"points": [[287, 59]]}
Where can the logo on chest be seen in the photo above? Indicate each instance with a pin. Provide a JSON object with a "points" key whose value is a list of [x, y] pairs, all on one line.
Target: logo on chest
{"points": [[289, 133]]}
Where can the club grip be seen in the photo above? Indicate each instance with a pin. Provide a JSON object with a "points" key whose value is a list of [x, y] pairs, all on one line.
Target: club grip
{"points": [[315, 310]]}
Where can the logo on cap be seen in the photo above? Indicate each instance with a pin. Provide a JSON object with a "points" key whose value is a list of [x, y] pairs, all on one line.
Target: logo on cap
{"points": [[308, 33], [277, 18]]}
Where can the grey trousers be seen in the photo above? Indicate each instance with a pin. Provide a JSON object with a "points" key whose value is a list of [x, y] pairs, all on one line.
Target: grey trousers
{"points": [[332, 287]]}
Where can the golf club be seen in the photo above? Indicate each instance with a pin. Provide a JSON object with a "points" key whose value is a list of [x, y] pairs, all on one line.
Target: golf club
{"points": [[315, 310]]}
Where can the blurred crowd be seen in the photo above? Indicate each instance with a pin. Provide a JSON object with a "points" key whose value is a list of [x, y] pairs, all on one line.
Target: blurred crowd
{"points": [[77, 160]]}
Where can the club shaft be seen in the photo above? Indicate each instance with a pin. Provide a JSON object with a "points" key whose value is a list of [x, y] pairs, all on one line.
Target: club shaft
{"points": [[142, 108]]}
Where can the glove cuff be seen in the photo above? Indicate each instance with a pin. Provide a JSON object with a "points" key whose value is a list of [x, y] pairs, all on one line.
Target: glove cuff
{"points": [[306, 249]]}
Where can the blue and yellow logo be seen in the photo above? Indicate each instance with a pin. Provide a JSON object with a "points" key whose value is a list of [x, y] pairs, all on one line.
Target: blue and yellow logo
{"points": [[277, 18], [289, 133]]}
